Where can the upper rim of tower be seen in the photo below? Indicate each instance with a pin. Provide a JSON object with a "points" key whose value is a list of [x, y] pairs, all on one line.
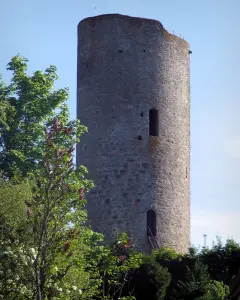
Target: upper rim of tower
{"points": [[135, 19]]}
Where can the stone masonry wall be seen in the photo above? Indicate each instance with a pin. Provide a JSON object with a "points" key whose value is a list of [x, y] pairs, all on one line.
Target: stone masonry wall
{"points": [[127, 66]]}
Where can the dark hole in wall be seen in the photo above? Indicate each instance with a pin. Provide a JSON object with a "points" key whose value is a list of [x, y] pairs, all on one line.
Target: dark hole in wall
{"points": [[141, 114], [140, 137], [151, 223], [153, 122], [120, 50]]}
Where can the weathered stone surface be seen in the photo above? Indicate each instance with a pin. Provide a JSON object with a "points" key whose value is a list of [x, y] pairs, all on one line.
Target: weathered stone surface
{"points": [[127, 66]]}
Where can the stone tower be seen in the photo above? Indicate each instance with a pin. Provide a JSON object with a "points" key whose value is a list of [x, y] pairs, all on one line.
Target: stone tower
{"points": [[133, 94]]}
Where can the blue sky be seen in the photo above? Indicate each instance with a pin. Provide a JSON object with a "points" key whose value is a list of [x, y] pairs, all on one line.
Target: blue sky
{"points": [[46, 33]]}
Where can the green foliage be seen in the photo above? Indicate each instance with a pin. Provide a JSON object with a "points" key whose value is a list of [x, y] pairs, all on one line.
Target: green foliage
{"points": [[151, 280], [44, 240], [195, 283], [175, 264], [27, 104], [223, 261], [194, 275], [12, 204], [13, 233], [166, 254], [193, 252], [48, 231], [116, 266], [3, 105], [217, 290]]}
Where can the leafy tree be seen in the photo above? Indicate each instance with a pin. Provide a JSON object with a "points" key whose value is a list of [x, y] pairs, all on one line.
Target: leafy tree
{"points": [[12, 204], [198, 285], [165, 254], [151, 280], [14, 262], [26, 104], [217, 290], [3, 105], [116, 266], [176, 265], [223, 261], [43, 221], [53, 240], [195, 283], [220, 264]]}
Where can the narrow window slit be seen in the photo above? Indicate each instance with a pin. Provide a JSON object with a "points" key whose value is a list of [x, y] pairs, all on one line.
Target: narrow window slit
{"points": [[151, 223], [153, 122]]}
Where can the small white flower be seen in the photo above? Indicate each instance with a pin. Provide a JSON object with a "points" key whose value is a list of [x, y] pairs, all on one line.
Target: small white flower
{"points": [[33, 250], [80, 292], [74, 287]]}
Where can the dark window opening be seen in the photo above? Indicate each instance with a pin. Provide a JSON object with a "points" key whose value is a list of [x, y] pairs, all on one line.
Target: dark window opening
{"points": [[140, 137], [141, 114], [153, 122], [151, 223]]}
